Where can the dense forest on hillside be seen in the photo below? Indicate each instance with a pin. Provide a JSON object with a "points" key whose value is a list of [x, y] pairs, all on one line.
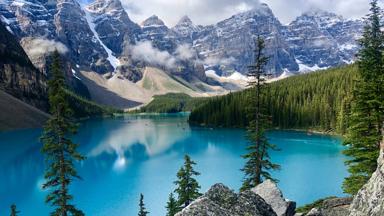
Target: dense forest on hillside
{"points": [[172, 103], [83, 107], [319, 101]]}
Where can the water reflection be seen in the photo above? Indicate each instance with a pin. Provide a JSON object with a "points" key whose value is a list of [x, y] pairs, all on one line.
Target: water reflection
{"points": [[130, 155]]}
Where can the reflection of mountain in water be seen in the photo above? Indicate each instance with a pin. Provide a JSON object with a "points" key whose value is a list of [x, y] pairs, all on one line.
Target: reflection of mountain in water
{"points": [[139, 138]]}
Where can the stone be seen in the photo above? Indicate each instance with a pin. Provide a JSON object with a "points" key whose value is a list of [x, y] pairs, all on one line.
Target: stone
{"points": [[336, 207], [314, 212], [269, 191], [221, 201], [370, 199]]}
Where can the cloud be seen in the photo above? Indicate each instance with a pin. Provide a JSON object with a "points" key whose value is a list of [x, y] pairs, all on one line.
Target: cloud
{"points": [[202, 11], [185, 52], [210, 61], [288, 10], [144, 51], [212, 11], [38, 47]]}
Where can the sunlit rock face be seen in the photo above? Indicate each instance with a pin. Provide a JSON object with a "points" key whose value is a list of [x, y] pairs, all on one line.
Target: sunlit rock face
{"points": [[370, 199], [221, 201]]}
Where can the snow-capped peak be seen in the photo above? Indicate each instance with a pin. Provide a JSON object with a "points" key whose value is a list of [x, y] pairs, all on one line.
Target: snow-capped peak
{"points": [[153, 21]]}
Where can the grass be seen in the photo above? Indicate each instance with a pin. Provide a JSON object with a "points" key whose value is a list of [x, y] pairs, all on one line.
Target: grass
{"points": [[172, 103]]}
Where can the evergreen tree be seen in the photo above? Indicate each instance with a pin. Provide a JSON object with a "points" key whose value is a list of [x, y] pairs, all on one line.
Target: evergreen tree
{"points": [[172, 207], [60, 152], [258, 161], [142, 210], [187, 186], [14, 211], [366, 122]]}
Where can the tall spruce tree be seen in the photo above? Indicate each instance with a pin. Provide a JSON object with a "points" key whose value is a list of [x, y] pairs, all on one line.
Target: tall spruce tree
{"points": [[172, 207], [367, 116], [142, 210], [60, 152], [14, 211], [187, 186], [258, 160]]}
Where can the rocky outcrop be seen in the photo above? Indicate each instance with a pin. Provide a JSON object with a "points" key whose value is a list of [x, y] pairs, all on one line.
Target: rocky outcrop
{"points": [[230, 43], [370, 199], [113, 24], [320, 39], [18, 76], [332, 207], [221, 201], [269, 191]]}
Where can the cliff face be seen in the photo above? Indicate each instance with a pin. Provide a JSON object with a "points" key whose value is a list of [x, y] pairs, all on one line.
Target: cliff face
{"points": [[18, 76], [370, 199]]}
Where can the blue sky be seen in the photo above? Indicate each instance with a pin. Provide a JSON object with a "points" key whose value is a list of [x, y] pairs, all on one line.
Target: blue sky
{"points": [[210, 11]]}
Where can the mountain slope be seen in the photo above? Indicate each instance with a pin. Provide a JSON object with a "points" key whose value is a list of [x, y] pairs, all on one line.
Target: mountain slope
{"points": [[18, 76], [16, 114]]}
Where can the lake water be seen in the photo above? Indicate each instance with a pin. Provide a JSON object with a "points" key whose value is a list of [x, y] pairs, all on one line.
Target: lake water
{"points": [[130, 155]]}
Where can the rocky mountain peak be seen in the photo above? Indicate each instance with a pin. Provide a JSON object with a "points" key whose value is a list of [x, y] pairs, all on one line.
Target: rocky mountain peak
{"points": [[185, 20], [186, 30], [153, 21], [323, 18], [258, 10]]}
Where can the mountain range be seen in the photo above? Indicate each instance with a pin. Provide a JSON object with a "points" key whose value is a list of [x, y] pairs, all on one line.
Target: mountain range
{"points": [[118, 62]]}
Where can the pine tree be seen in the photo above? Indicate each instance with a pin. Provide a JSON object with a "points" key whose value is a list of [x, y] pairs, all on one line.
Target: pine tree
{"points": [[172, 207], [142, 210], [258, 161], [60, 152], [367, 116], [14, 211], [187, 186]]}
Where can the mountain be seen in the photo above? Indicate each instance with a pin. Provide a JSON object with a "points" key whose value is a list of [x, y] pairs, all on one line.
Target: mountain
{"points": [[186, 30], [18, 76], [322, 40], [100, 37], [230, 43]]}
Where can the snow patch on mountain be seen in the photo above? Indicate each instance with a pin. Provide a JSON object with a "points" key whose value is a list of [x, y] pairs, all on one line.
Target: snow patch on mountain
{"points": [[115, 62], [238, 77], [306, 68]]}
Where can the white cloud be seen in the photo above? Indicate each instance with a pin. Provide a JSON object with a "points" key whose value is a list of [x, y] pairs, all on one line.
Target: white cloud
{"points": [[211, 61], [288, 10], [185, 52], [38, 47], [201, 11], [211, 11], [144, 51]]}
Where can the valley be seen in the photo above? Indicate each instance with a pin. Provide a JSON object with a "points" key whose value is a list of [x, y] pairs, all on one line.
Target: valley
{"points": [[232, 114]]}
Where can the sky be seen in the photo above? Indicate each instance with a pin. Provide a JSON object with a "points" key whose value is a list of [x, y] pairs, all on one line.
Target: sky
{"points": [[205, 12]]}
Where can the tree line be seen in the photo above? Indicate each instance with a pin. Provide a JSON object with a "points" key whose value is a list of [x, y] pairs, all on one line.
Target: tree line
{"points": [[319, 101]]}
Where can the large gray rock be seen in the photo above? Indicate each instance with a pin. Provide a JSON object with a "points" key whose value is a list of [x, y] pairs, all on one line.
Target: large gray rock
{"points": [[332, 207], [370, 199], [269, 191], [221, 201]]}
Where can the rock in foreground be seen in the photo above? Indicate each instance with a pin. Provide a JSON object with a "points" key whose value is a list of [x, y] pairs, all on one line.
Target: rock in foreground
{"points": [[221, 201], [370, 199], [269, 191]]}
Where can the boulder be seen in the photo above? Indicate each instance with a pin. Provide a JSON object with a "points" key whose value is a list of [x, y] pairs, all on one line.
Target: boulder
{"points": [[370, 199], [269, 191], [332, 207], [221, 201]]}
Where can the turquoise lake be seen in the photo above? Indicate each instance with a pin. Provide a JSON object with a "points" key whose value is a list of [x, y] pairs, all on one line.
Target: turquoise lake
{"points": [[130, 155]]}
